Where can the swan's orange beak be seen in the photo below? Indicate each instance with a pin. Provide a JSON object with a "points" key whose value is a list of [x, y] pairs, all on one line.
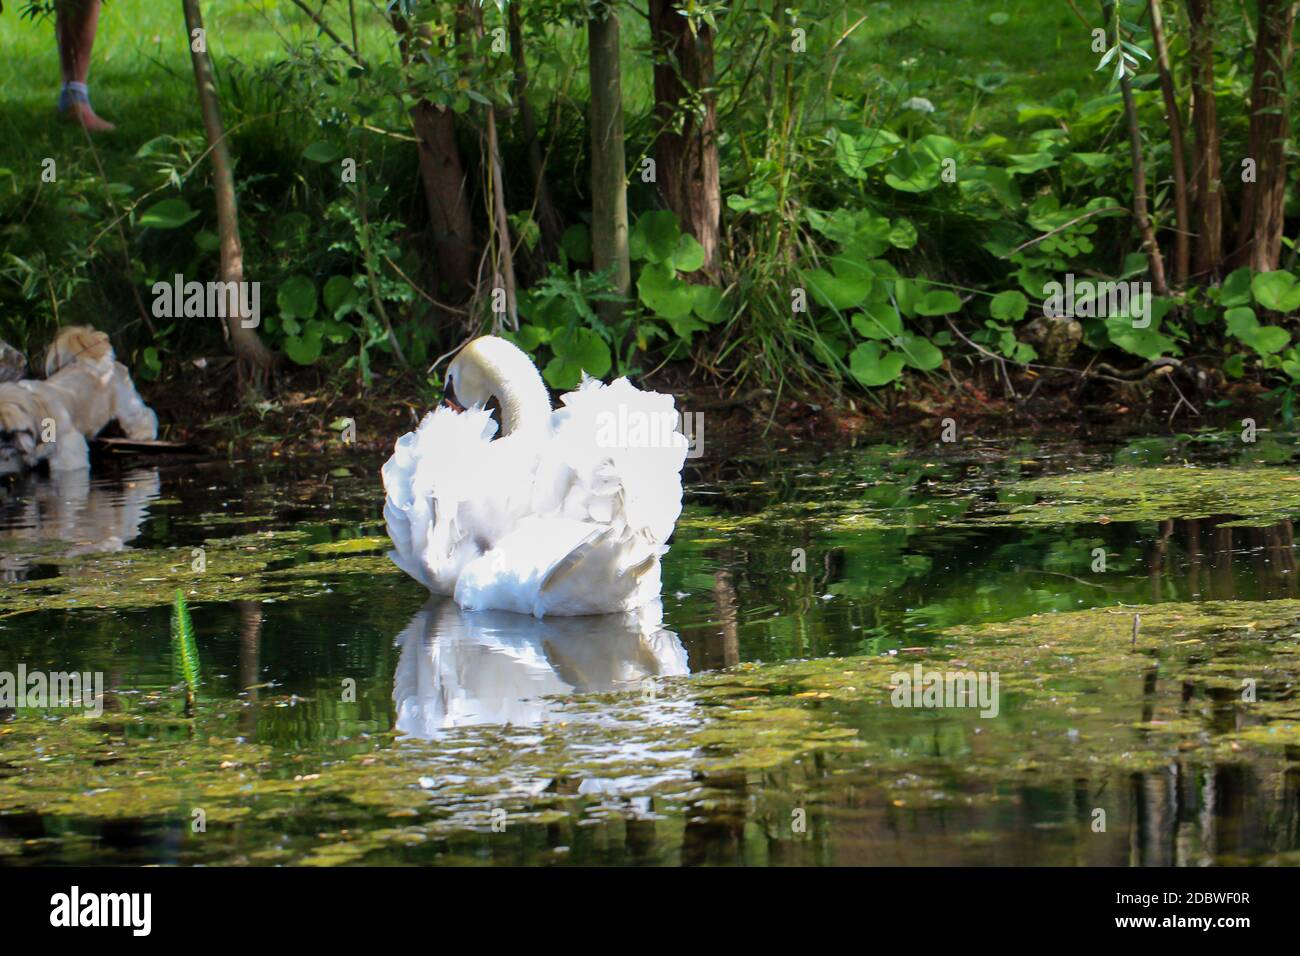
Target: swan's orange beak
{"points": [[449, 399]]}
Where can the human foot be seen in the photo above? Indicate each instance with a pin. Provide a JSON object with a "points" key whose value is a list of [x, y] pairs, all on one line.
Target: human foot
{"points": [[74, 104]]}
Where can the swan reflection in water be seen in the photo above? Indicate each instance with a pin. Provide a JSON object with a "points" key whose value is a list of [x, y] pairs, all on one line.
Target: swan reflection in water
{"points": [[70, 514], [495, 667]]}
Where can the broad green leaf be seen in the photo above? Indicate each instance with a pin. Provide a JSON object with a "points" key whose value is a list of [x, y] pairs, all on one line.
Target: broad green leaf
{"points": [[340, 295], [321, 152], [878, 321], [902, 234], [848, 286], [1009, 306], [297, 298], [304, 349], [1236, 288], [707, 304], [689, 255], [576, 350], [918, 168], [654, 237], [855, 155], [1277, 291], [872, 365], [920, 352], [663, 293], [938, 302], [167, 214]]}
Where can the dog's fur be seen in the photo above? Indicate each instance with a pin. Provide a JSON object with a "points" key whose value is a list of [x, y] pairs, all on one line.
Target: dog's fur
{"points": [[85, 388]]}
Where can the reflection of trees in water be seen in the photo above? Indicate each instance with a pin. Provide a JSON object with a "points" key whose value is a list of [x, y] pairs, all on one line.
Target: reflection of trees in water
{"points": [[1202, 557]]}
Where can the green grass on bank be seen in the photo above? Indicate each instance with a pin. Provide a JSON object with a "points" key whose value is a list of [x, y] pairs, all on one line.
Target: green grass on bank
{"points": [[141, 78]]}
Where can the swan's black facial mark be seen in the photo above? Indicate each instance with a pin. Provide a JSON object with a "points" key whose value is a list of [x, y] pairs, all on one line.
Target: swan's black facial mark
{"points": [[494, 407], [449, 396]]}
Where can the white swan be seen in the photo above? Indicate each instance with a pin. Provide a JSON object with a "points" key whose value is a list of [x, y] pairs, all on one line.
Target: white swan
{"points": [[565, 513]]}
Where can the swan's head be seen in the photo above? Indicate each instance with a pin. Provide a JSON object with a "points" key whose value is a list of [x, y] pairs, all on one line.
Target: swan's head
{"points": [[491, 368]]}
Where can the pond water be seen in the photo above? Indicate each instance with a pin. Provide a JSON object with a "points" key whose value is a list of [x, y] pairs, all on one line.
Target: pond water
{"points": [[1136, 604]]}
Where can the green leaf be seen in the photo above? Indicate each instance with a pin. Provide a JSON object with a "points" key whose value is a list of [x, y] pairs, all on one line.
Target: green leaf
{"points": [[1236, 288], [168, 214], [297, 297], [907, 293], [1147, 343], [856, 155], [663, 293], [918, 168], [920, 352], [902, 234], [654, 237], [872, 366], [529, 337], [938, 302], [1276, 291], [878, 320], [576, 350], [1269, 339], [762, 199], [1009, 306], [304, 349], [340, 295], [706, 303], [689, 254], [846, 287], [321, 152], [1241, 321], [1264, 339]]}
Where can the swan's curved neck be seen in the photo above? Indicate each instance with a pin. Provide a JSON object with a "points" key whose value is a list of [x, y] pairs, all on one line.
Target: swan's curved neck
{"points": [[525, 402]]}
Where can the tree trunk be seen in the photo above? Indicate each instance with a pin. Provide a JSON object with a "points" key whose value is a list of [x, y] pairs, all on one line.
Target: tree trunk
{"points": [[1182, 209], [1154, 259], [1259, 233], [548, 221], [609, 229], [446, 194], [253, 359], [503, 261], [446, 191], [686, 150], [1205, 125]]}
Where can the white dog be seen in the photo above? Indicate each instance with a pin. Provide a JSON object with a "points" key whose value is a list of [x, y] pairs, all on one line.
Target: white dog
{"points": [[85, 388]]}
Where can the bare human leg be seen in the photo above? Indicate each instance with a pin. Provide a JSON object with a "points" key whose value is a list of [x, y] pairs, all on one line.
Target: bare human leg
{"points": [[74, 27]]}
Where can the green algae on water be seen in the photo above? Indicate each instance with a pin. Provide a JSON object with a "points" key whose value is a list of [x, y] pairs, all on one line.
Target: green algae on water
{"points": [[1259, 497]]}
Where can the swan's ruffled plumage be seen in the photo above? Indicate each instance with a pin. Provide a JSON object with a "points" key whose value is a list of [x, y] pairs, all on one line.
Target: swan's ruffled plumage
{"points": [[566, 518]]}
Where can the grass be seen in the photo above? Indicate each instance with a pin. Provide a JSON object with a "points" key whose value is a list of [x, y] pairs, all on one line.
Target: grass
{"points": [[141, 77]]}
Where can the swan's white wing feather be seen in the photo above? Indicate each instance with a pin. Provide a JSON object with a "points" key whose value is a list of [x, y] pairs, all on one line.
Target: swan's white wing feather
{"points": [[615, 458], [438, 510]]}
